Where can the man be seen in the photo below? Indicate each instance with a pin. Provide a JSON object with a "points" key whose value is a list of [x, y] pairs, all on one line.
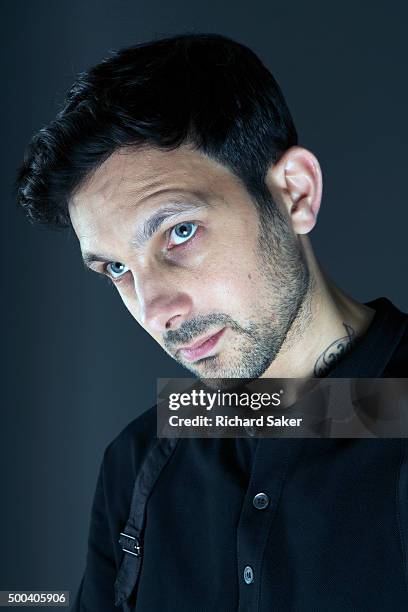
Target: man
{"points": [[177, 164]]}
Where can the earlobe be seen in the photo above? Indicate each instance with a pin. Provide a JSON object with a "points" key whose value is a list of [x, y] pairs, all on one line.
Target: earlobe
{"points": [[298, 175]]}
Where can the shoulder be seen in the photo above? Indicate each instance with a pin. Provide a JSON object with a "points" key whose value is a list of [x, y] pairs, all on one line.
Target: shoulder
{"points": [[122, 461], [397, 367], [134, 441]]}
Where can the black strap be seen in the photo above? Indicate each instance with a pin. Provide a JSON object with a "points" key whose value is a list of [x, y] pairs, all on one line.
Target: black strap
{"points": [[130, 538]]}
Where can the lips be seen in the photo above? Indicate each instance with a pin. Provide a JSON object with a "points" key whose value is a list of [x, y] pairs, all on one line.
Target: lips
{"points": [[202, 347]]}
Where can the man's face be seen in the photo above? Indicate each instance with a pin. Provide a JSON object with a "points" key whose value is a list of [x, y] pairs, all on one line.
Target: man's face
{"points": [[180, 237]]}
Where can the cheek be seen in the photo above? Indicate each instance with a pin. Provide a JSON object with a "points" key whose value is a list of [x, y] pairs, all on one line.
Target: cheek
{"points": [[233, 287]]}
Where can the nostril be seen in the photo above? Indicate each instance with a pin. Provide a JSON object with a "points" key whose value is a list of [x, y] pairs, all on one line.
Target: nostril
{"points": [[169, 322]]}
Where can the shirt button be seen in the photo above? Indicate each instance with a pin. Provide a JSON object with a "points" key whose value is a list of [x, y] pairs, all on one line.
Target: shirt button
{"points": [[261, 501], [248, 574]]}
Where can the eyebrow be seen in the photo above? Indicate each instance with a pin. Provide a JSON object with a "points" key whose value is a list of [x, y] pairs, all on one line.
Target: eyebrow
{"points": [[150, 226]]}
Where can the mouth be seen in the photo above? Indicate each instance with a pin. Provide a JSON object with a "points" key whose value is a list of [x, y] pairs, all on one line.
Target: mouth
{"points": [[202, 347]]}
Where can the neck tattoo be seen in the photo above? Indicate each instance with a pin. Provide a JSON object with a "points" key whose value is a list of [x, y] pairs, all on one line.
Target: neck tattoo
{"points": [[335, 352]]}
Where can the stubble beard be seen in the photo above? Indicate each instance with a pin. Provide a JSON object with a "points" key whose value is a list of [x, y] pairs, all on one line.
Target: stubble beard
{"points": [[287, 288]]}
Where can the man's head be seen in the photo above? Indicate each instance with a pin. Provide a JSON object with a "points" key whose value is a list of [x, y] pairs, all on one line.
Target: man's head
{"points": [[176, 164]]}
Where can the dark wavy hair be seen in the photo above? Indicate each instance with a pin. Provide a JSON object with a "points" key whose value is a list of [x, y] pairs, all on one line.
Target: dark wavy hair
{"points": [[202, 89]]}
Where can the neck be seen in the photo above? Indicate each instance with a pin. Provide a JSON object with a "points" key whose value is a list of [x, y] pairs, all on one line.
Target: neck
{"points": [[327, 326]]}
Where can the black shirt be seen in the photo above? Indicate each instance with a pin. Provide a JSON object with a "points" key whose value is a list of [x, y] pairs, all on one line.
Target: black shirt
{"points": [[257, 525]]}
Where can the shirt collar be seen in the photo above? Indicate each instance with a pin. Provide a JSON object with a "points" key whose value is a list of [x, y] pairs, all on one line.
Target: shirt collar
{"points": [[374, 350]]}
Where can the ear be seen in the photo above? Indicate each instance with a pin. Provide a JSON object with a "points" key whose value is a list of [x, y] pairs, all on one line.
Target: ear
{"points": [[298, 179]]}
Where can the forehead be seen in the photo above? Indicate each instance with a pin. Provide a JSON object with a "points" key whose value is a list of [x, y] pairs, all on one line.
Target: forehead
{"points": [[130, 177], [115, 203]]}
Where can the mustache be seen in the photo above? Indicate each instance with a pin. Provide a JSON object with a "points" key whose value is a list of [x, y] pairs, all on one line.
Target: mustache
{"points": [[193, 328]]}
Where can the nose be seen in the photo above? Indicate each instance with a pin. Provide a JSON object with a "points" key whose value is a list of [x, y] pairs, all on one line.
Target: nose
{"points": [[162, 306]]}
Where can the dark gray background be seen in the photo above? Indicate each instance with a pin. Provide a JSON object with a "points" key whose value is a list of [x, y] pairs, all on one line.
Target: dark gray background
{"points": [[76, 366]]}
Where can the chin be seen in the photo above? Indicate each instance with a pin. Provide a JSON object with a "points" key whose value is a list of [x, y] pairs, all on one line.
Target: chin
{"points": [[212, 372]]}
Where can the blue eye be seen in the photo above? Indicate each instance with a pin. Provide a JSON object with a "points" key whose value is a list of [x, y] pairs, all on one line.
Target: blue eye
{"points": [[116, 269], [183, 232]]}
